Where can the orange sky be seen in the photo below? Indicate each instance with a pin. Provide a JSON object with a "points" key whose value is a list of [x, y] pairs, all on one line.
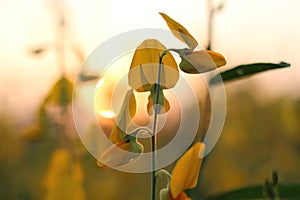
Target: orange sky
{"points": [[245, 31]]}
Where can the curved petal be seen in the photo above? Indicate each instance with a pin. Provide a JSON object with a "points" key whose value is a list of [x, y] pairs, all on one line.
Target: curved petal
{"points": [[120, 154], [164, 194], [181, 196], [163, 104], [180, 32], [144, 67], [201, 61], [124, 117], [186, 170]]}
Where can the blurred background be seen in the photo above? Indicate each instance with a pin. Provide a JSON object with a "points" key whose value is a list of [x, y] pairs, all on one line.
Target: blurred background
{"points": [[44, 43]]}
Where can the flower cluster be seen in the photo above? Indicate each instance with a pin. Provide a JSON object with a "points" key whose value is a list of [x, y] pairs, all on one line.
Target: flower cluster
{"points": [[154, 69]]}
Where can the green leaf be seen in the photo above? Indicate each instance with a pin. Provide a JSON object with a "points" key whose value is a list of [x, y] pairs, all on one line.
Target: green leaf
{"points": [[246, 70], [84, 77], [256, 192]]}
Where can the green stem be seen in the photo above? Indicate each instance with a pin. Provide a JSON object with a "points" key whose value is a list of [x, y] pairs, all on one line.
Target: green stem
{"points": [[153, 138]]}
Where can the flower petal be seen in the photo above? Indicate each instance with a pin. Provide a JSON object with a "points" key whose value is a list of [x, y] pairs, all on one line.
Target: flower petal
{"points": [[116, 134], [145, 63], [201, 61], [180, 32], [124, 117], [120, 154], [186, 170], [181, 196], [163, 104]]}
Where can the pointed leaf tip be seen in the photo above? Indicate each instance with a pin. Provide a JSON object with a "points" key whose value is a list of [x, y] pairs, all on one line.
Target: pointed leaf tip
{"points": [[246, 70]]}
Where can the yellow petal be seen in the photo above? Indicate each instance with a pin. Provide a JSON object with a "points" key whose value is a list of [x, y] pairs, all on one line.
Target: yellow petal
{"points": [[144, 67], [113, 156], [180, 32], [132, 105], [120, 154], [186, 170], [124, 117], [116, 134], [64, 178], [201, 62], [162, 101], [181, 196], [33, 133]]}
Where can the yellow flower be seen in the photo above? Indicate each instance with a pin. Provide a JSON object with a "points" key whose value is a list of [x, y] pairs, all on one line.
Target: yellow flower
{"points": [[193, 62], [181, 196], [125, 147], [143, 71], [165, 194], [121, 153], [186, 171]]}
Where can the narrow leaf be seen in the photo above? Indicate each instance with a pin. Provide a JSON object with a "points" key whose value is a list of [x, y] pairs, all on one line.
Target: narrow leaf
{"points": [[84, 77], [246, 70], [256, 192]]}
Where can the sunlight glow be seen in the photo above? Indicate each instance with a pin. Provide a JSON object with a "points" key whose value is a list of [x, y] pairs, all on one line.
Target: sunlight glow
{"points": [[100, 82], [107, 113]]}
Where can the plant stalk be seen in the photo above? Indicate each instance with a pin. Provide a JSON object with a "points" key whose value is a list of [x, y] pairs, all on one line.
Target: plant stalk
{"points": [[153, 138]]}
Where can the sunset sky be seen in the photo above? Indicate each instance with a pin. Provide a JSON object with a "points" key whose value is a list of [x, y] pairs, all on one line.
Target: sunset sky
{"points": [[244, 31]]}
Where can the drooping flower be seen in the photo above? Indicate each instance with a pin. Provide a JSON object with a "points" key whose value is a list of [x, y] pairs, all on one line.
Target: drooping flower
{"points": [[125, 147], [121, 153], [193, 62], [144, 68], [145, 64]]}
